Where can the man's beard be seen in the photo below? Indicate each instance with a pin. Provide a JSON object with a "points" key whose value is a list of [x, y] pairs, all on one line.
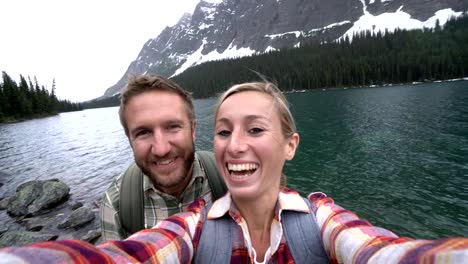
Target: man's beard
{"points": [[159, 182]]}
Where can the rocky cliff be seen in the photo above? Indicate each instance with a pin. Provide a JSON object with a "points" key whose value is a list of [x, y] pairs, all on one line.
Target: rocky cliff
{"points": [[231, 28]]}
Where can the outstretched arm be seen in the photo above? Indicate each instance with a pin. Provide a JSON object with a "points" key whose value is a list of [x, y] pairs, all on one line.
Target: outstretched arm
{"points": [[172, 241], [348, 239]]}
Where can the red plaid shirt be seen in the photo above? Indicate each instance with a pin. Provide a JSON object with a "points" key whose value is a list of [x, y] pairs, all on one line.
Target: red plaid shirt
{"points": [[347, 239]]}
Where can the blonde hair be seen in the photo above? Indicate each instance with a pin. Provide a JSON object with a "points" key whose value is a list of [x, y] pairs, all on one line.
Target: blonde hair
{"points": [[288, 125]]}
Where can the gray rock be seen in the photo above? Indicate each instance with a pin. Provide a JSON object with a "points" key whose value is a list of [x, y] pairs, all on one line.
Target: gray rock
{"points": [[91, 236], [21, 238], [66, 237], [76, 205], [3, 229], [78, 218], [33, 196], [4, 203], [52, 193], [35, 224], [24, 196]]}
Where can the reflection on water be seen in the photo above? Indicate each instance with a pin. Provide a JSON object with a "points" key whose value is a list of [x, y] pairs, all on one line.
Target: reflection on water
{"points": [[397, 156]]}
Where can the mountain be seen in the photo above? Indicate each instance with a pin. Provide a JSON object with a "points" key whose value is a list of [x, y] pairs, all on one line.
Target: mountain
{"points": [[220, 29]]}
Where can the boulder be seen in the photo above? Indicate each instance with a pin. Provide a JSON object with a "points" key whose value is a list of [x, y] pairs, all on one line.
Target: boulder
{"points": [[91, 236], [24, 196], [4, 203], [78, 218], [3, 229], [52, 193], [76, 205], [33, 196], [35, 224], [21, 238]]}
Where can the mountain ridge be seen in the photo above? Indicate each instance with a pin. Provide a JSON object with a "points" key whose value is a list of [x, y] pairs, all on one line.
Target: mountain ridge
{"points": [[233, 28]]}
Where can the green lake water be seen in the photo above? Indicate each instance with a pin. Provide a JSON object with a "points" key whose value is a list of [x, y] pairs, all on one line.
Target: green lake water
{"points": [[397, 156]]}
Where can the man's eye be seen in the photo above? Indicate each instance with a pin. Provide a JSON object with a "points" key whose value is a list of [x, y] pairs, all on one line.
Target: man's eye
{"points": [[142, 133], [255, 130], [174, 127], [224, 133]]}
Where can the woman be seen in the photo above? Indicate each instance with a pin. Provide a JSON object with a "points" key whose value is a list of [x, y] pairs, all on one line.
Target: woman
{"points": [[254, 136]]}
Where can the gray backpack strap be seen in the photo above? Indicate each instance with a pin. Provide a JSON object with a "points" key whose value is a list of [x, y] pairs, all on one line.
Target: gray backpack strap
{"points": [[215, 244], [303, 236], [216, 181], [131, 204], [301, 231]]}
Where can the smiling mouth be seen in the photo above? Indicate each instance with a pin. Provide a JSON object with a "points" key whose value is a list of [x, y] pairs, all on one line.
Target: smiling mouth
{"points": [[163, 162], [240, 171]]}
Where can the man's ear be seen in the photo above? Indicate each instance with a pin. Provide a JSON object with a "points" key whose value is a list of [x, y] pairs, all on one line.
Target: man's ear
{"points": [[194, 126], [291, 146]]}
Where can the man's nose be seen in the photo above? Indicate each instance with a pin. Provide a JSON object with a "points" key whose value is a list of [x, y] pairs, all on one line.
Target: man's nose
{"points": [[160, 145]]}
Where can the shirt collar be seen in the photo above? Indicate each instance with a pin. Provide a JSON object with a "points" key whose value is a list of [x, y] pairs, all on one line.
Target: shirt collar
{"points": [[197, 172], [288, 199]]}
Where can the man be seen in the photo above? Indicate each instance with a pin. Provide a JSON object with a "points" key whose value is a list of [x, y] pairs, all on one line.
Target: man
{"points": [[159, 120]]}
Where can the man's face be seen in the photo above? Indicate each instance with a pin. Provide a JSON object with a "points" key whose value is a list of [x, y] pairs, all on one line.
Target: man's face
{"points": [[162, 135]]}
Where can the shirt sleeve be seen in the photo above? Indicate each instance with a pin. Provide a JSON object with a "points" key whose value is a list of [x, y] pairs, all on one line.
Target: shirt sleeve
{"points": [[348, 239], [111, 228], [172, 241]]}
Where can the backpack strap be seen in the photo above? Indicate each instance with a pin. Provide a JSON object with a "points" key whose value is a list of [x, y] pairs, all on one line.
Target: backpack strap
{"points": [[131, 201], [215, 244], [216, 181], [131, 205], [303, 236], [301, 231]]}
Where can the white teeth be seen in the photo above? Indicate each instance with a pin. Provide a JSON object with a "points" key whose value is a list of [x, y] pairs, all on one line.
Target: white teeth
{"points": [[164, 162], [242, 167], [240, 176]]}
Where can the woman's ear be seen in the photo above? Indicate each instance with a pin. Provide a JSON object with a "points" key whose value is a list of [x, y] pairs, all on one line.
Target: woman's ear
{"points": [[291, 146]]}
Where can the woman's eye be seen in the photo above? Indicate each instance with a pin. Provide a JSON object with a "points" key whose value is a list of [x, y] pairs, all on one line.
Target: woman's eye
{"points": [[223, 133], [255, 130]]}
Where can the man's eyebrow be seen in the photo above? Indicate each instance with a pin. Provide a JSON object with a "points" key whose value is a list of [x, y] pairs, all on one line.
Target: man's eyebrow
{"points": [[142, 127]]}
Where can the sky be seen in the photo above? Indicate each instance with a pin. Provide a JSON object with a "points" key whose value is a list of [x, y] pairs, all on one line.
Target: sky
{"points": [[86, 45]]}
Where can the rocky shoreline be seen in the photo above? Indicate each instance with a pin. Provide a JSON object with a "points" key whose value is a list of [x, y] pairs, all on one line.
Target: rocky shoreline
{"points": [[43, 211]]}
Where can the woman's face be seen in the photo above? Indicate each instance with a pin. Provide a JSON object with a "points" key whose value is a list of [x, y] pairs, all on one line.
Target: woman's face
{"points": [[249, 145]]}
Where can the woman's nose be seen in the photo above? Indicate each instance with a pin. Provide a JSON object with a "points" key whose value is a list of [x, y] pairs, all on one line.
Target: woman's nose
{"points": [[237, 143]]}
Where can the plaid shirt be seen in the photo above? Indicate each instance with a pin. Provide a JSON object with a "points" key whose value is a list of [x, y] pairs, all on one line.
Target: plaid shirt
{"points": [[158, 205], [346, 238]]}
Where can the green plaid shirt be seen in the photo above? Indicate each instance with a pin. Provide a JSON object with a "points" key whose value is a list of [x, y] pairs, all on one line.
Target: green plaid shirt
{"points": [[158, 205]]}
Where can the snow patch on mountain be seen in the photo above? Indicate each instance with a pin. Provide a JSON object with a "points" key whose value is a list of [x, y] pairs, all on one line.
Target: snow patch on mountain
{"points": [[197, 57], [329, 26], [209, 11], [213, 1], [383, 1], [398, 19], [296, 33], [364, 7]]}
